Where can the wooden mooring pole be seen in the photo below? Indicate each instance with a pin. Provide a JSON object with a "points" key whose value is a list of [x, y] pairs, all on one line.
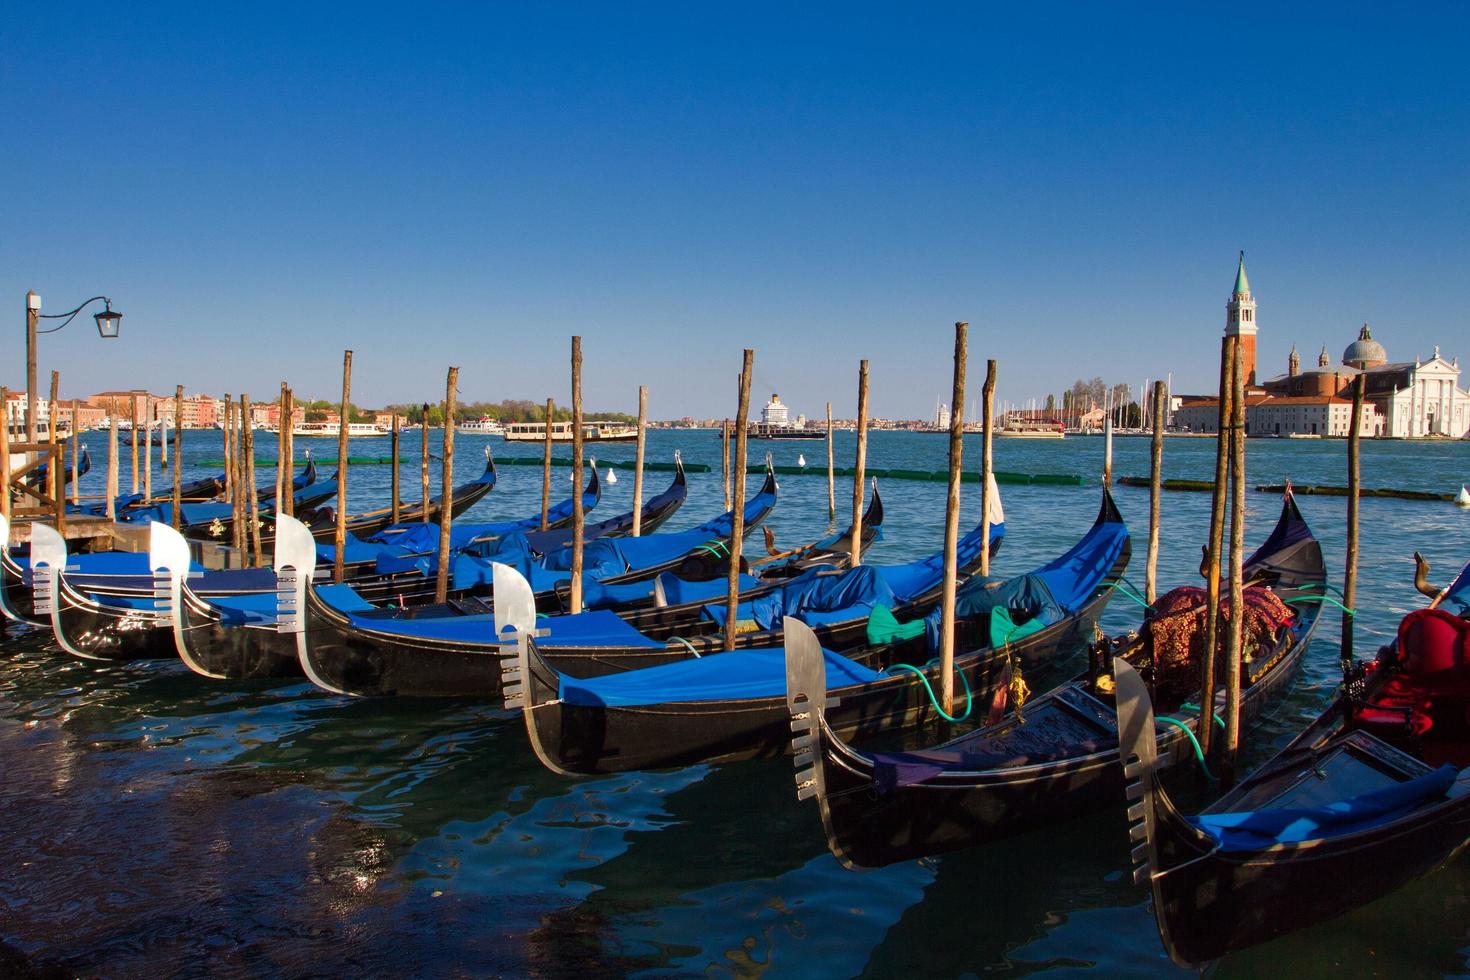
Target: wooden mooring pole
{"points": [[339, 538], [725, 454], [831, 472], [55, 477], [1237, 562], [638, 461], [546, 466], [178, 497], [397, 501], [424, 463], [4, 459], [860, 465], [285, 474], [229, 450], [579, 515], [133, 430], [1155, 483], [252, 496], [111, 459], [737, 527], [446, 505], [952, 520], [1214, 543], [151, 411], [1350, 573], [76, 453], [234, 480], [987, 461]]}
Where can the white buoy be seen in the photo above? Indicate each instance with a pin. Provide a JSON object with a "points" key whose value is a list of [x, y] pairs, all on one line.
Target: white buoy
{"points": [[611, 476], [801, 460], [1463, 499]]}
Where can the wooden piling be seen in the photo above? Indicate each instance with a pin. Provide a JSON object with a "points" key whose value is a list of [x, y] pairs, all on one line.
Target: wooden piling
{"points": [[831, 471], [1108, 441], [4, 459], [725, 455], [1155, 483], [1350, 573], [339, 537], [152, 412], [424, 462], [289, 504], [546, 467], [397, 502], [229, 435], [446, 508], [952, 520], [1237, 561], [860, 465], [579, 516], [54, 478], [252, 497], [162, 442], [284, 474], [638, 461], [1214, 542], [178, 457], [133, 429], [987, 460], [111, 458], [76, 453], [242, 521], [737, 527]]}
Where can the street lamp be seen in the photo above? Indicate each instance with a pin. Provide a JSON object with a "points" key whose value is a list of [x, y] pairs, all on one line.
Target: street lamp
{"points": [[109, 325]]}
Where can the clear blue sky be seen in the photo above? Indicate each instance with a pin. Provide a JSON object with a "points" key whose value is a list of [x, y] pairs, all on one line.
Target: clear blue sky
{"points": [[259, 188]]}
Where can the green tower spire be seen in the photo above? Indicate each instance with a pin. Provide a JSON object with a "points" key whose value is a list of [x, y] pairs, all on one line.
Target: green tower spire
{"points": [[1242, 284]]}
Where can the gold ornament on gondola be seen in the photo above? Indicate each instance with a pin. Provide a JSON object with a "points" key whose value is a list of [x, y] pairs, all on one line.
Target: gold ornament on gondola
{"points": [[217, 528]]}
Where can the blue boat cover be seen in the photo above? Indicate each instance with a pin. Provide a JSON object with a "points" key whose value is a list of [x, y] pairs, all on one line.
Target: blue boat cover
{"points": [[596, 595], [679, 591], [816, 598], [342, 597], [598, 628], [1253, 830], [1457, 596], [720, 677], [246, 610], [109, 563], [911, 580]]}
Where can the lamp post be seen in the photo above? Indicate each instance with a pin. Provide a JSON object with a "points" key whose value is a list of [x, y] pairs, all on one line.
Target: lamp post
{"points": [[109, 325]]}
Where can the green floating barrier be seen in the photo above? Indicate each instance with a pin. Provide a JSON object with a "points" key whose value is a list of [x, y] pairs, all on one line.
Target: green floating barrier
{"points": [[911, 475], [1004, 476], [1058, 479]]}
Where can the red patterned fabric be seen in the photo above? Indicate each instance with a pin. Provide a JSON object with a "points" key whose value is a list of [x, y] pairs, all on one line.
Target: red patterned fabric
{"points": [[1176, 629]]}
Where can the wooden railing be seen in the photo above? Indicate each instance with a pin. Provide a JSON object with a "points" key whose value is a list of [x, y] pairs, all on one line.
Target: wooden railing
{"points": [[18, 491]]}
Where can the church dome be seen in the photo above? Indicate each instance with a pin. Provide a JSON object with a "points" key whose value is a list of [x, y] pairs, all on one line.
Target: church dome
{"points": [[1365, 352]]}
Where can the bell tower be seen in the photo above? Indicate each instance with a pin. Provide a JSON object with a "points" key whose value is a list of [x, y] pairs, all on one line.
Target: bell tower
{"points": [[1240, 321]]}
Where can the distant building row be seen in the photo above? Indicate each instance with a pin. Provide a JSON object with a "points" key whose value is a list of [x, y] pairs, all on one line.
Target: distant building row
{"points": [[1403, 400]]}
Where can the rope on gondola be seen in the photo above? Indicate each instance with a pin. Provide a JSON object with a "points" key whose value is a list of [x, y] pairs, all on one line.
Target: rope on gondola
{"points": [[686, 644]]}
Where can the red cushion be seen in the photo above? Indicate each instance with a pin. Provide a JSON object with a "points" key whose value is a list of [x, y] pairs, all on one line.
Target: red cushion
{"points": [[1432, 640], [1393, 720]]}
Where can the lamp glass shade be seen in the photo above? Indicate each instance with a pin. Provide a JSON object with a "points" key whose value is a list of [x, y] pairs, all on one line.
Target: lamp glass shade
{"points": [[109, 323]]}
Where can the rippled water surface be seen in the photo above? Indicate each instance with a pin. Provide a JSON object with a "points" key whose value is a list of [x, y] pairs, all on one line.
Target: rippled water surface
{"points": [[157, 823]]}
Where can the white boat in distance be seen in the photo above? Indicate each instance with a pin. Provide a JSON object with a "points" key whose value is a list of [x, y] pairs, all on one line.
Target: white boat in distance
{"points": [[334, 429], [483, 424], [562, 432]]}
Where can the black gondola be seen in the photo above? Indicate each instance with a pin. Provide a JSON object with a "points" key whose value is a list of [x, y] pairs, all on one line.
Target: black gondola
{"points": [[1372, 795], [37, 476], [350, 647], [1010, 776], [733, 706]]}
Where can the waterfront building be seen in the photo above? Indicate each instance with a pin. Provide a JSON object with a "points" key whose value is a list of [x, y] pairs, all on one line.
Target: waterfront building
{"points": [[1402, 400]]}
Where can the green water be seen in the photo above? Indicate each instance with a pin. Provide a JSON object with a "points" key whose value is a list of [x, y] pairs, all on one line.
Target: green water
{"points": [[160, 824]]}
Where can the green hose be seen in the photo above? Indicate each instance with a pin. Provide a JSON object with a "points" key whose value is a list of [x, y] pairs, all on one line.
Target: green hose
{"points": [[1322, 598], [1131, 594], [1199, 755], [969, 701], [1191, 706]]}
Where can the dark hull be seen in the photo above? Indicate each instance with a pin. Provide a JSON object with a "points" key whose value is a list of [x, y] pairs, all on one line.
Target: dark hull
{"points": [[93, 631], [1210, 901], [233, 652], [1071, 768], [595, 739], [16, 601]]}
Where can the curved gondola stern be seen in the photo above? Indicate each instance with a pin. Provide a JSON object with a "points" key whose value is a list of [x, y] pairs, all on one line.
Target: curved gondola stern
{"points": [[48, 561], [168, 560], [873, 517], [295, 564], [1107, 512], [1139, 753], [807, 703], [521, 688]]}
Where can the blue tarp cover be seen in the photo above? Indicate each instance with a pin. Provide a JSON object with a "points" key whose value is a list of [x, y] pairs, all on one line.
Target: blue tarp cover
{"points": [[245, 610], [1256, 829], [719, 677], [816, 598], [1457, 596], [913, 579], [679, 591], [598, 628]]}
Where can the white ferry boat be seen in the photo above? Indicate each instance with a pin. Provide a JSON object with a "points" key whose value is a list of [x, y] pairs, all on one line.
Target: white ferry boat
{"points": [[334, 429], [592, 431], [484, 424]]}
